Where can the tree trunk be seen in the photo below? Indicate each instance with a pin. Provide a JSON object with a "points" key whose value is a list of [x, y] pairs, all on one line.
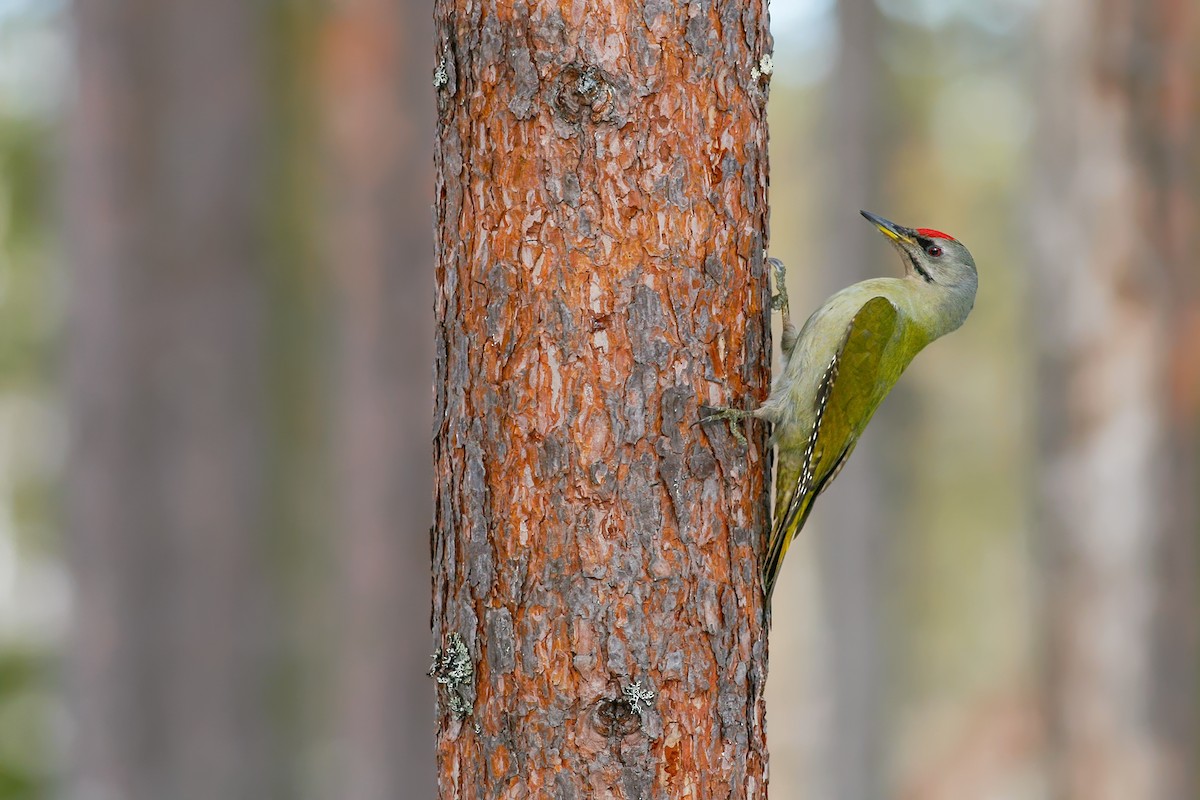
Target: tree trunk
{"points": [[1169, 146], [1121, 566], [166, 496], [856, 533], [601, 217], [377, 60]]}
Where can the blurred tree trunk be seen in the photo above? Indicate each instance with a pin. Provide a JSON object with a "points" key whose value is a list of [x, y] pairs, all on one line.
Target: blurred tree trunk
{"points": [[166, 495], [297, 370], [1169, 146], [855, 531], [1114, 230], [378, 109], [601, 213]]}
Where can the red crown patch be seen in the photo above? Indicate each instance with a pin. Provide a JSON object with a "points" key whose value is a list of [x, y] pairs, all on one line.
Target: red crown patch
{"points": [[930, 233]]}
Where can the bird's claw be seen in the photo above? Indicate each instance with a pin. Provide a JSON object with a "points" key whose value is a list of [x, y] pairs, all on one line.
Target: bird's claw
{"points": [[779, 300], [735, 429], [733, 416]]}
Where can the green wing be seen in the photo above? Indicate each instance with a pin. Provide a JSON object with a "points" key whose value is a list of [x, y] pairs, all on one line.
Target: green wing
{"points": [[854, 383]]}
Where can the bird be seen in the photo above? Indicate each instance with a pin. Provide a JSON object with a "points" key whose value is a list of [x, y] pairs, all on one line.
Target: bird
{"points": [[839, 366]]}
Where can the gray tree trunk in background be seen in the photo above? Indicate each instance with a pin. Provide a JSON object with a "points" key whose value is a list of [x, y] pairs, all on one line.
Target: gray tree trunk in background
{"points": [[1168, 141], [1113, 224], [856, 528], [379, 110], [170, 665]]}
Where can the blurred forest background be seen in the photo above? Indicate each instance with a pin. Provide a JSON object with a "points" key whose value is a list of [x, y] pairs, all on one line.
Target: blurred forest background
{"points": [[215, 361]]}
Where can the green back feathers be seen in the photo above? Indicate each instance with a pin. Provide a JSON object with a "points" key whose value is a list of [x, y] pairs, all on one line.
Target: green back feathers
{"points": [[845, 360], [864, 368]]}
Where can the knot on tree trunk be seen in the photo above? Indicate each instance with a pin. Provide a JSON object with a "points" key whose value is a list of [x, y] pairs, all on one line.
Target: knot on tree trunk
{"points": [[583, 92]]}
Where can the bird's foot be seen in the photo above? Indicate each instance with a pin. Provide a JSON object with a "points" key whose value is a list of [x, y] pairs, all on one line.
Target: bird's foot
{"points": [[779, 300], [733, 416]]}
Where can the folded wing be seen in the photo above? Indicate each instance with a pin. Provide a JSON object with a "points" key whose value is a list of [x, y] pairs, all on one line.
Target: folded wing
{"points": [[853, 384]]}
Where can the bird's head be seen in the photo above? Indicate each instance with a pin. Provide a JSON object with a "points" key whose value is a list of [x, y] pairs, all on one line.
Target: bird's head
{"points": [[929, 255]]}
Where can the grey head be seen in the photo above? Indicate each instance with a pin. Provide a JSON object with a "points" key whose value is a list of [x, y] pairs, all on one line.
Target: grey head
{"points": [[937, 260], [929, 254]]}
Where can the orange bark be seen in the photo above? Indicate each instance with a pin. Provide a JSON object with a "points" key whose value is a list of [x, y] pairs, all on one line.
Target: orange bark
{"points": [[601, 219]]}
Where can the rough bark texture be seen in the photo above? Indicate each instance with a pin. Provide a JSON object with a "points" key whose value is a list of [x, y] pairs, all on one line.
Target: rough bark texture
{"points": [[601, 213], [376, 61], [1108, 220], [165, 488]]}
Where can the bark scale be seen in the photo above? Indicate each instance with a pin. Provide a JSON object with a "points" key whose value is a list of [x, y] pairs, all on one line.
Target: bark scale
{"points": [[601, 221]]}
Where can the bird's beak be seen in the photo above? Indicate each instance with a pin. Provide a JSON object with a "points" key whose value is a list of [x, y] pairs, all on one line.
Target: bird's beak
{"points": [[897, 233]]}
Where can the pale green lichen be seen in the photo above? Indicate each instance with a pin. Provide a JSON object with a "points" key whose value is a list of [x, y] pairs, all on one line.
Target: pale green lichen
{"points": [[440, 75], [635, 695], [453, 669], [764, 68]]}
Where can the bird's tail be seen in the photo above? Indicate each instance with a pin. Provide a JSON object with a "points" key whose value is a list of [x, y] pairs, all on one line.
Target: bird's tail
{"points": [[786, 526]]}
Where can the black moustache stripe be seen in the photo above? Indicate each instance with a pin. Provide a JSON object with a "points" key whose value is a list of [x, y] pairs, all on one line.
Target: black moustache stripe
{"points": [[917, 266]]}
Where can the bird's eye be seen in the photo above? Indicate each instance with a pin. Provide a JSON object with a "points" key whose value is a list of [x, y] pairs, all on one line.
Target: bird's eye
{"points": [[933, 250]]}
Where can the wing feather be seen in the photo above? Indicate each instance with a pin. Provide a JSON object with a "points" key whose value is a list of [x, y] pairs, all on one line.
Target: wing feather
{"points": [[850, 390]]}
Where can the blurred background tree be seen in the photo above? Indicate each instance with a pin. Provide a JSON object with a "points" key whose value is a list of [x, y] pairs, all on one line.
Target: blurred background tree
{"points": [[1113, 215], [377, 116], [1005, 597], [248, 494]]}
